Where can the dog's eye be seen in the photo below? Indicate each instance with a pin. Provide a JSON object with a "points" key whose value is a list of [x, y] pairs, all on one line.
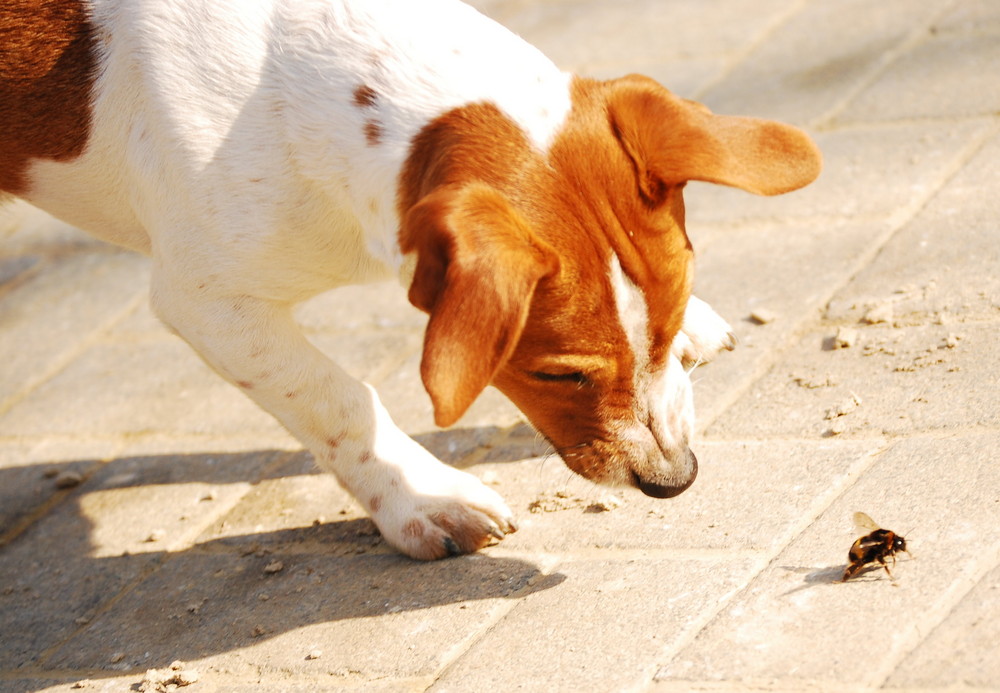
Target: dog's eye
{"points": [[576, 377]]}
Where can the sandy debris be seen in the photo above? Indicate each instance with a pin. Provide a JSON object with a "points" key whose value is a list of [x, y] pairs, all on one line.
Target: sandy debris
{"points": [[844, 408], [561, 500], [162, 680], [880, 313]]}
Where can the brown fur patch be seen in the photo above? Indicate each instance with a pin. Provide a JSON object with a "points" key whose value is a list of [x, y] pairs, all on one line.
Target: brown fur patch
{"points": [[373, 132], [365, 96], [414, 529], [375, 503], [47, 66]]}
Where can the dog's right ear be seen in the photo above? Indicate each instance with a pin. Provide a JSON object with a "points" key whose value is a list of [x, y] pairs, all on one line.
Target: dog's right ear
{"points": [[672, 140], [478, 264]]}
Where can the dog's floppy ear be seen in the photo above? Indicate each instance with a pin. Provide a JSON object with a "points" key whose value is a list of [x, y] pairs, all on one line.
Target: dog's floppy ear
{"points": [[673, 140], [478, 264]]}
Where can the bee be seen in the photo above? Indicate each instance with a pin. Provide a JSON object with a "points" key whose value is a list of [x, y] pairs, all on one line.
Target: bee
{"points": [[873, 547]]}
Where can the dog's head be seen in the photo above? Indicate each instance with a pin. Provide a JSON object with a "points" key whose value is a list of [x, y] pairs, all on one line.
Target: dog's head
{"points": [[562, 276]]}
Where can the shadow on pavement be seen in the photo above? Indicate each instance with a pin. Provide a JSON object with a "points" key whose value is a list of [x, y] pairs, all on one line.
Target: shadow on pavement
{"points": [[83, 588]]}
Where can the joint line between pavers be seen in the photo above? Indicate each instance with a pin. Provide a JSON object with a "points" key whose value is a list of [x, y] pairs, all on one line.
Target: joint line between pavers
{"points": [[61, 362], [907, 43], [896, 222], [820, 505], [779, 21], [547, 564], [933, 617]]}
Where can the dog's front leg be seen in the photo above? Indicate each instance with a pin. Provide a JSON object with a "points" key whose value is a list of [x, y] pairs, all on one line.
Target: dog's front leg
{"points": [[704, 333], [422, 506]]}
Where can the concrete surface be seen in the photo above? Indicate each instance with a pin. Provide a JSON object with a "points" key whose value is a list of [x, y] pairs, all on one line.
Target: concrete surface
{"points": [[148, 513]]}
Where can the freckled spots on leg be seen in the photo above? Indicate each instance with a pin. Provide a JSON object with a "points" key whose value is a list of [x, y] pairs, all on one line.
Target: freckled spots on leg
{"points": [[291, 394], [373, 132], [375, 503], [365, 458], [414, 529], [365, 96], [334, 441], [245, 384]]}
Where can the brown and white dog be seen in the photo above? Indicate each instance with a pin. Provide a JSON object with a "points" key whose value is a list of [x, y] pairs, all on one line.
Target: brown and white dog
{"points": [[264, 151]]}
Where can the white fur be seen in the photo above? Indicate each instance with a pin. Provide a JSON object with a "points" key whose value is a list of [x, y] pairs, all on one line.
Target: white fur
{"points": [[663, 400]]}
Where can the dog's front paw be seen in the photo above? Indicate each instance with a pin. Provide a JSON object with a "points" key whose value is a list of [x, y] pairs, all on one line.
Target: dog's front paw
{"points": [[703, 334], [460, 516]]}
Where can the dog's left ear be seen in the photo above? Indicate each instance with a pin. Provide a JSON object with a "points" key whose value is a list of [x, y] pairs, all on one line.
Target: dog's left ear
{"points": [[672, 140], [478, 264]]}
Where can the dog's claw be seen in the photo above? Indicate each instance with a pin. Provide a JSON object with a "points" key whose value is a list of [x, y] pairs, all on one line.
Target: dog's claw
{"points": [[451, 547], [496, 532]]}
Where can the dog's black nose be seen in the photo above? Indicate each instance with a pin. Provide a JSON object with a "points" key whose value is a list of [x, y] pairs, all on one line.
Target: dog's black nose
{"points": [[661, 487]]}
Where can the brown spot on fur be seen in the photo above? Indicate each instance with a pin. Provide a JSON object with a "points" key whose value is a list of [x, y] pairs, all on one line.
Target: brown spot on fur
{"points": [[375, 503], [365, 458], [292, 394], [335, 441], [365, 96], [414, 529], [245, 384], [373, 132], [47, 67]]}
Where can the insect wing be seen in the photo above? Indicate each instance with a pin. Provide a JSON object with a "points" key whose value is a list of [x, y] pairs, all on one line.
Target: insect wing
{"points": [[864, 523]]}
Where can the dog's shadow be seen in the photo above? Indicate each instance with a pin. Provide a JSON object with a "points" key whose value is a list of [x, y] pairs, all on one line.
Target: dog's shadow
{"points": [[72, 599]]}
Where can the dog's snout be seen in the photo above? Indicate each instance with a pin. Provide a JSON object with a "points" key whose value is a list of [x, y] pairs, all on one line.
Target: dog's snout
{"points": [[663, 485]]}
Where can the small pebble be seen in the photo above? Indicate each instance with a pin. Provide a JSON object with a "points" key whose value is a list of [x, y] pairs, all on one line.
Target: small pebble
{"points": [[274, 567], [314, 654], [68, 479], [157, 535], [846, 338], [763, 316]]}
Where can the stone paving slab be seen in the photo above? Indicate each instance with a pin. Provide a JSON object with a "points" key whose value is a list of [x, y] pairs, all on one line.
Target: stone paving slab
{"points": [[558, 512], [895, 381], [372, 616], [943, 263], [963, 648], [54, 312], [600, 628], [797, 608]]}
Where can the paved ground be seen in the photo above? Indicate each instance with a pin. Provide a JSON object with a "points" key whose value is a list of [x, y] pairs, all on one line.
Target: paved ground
{"points": [[149, 514]]}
